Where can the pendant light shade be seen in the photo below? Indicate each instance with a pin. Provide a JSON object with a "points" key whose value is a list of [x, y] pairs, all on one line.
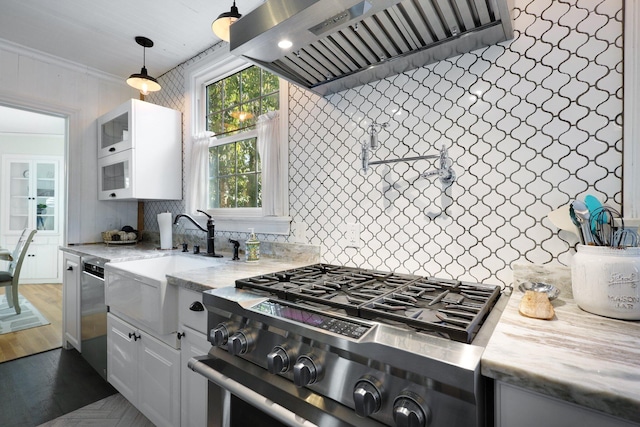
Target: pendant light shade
{"points": [[143, 81], [221, 25]]}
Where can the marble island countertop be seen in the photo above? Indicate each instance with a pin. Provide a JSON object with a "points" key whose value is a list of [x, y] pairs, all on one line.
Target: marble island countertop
{"points": [[578, 357], [225, 272]]}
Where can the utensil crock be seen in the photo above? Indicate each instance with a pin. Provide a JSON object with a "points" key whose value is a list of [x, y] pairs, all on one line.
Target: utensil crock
{"points": [[606, 281]]}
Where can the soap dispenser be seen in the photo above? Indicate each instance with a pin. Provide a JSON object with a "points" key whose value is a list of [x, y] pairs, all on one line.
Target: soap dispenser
{"points": [[252, 247]]}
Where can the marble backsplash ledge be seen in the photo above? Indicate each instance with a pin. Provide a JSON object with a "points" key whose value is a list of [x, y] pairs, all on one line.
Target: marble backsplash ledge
{"points": [[278, 250]]}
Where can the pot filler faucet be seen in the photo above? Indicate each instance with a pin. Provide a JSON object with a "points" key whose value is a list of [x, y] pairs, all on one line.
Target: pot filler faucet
{"points": [[211, 250]]}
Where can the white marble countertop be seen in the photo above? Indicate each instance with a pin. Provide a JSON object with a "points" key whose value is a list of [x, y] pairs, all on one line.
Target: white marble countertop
{"points": [[577, 357], [226, 272], [115, 253], [223, 271]]}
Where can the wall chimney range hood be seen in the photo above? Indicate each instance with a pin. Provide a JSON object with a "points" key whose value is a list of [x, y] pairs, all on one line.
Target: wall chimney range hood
{"points": [[339, 45]]}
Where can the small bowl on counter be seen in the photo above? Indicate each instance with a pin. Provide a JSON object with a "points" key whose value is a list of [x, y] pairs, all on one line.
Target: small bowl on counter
{"points": [[551, 291]]}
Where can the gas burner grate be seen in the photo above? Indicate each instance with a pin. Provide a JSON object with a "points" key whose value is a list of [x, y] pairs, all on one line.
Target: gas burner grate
{"points": [[452, 308], [448, 307]]}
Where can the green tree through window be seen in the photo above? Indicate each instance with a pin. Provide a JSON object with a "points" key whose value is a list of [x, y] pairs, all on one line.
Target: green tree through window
{"points": [[233, 105]]}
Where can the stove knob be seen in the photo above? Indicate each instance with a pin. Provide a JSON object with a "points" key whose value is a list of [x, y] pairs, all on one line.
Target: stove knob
{"points": [[278, 360], [366, 398], [238, 343], [409, 412], [305, 371], [219, 335]]}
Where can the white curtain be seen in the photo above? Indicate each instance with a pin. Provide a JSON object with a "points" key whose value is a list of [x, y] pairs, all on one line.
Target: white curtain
{"points": [[274, 176], [198, 173]]}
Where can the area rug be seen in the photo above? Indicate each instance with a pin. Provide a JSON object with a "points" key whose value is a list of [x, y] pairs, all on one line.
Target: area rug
{"points": [[29, 316]]}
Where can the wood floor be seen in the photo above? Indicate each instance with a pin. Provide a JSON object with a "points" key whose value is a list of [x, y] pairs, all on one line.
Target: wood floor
{"points": [[48, 299]]}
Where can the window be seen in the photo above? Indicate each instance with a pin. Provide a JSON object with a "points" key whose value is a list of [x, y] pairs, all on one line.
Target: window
{"points": [[235, 102], [234, 175], [233, 105], [225, 96]]}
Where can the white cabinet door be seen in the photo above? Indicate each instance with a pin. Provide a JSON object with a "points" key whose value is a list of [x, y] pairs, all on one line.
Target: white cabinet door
{"points": [[145, 371], [41, 263], [31, 193], [122, 357], [194, 386], [158, 381], [139, 153], [71, 301]]}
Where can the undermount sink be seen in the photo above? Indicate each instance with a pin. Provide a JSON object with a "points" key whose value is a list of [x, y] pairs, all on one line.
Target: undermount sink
{"points": [[137, 290]]}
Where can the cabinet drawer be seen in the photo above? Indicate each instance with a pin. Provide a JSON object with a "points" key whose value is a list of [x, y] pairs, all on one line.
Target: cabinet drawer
{"points": [[187, 316]]}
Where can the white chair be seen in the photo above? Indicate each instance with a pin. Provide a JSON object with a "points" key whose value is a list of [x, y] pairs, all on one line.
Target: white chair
{"points": [[9, 279]]}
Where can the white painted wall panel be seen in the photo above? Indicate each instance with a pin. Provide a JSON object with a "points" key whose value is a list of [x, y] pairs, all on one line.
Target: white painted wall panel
{"points": [[30, 79]]}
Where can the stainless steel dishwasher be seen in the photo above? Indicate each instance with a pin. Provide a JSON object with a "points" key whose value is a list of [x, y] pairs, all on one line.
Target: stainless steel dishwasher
{"points": [[93, 312]]}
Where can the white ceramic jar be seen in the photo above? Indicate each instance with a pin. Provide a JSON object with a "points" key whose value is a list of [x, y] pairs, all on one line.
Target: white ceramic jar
{"points": [[606, 281]]}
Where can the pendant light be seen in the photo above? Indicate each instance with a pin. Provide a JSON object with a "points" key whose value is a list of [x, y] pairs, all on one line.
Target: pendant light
{"points": [[221, 25], [143, 81]]}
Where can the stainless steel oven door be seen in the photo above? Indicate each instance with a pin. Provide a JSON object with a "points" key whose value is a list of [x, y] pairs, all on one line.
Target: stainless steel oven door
{"points": [[243, 394]]}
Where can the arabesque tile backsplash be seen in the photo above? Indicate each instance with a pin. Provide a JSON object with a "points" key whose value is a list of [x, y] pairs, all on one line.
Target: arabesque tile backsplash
{"points": [[530, 124]]}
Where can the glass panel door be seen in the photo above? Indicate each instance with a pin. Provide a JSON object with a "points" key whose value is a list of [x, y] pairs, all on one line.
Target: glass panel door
{"points": [[46, 196], [19, 199]]}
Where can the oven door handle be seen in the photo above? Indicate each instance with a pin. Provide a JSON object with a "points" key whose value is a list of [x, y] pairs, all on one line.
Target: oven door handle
{"points": [[273, 409]]}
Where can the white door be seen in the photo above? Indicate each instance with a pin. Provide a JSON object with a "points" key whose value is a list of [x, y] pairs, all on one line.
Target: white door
{"points": [[122, 357], [159, 381], [194, 385]]}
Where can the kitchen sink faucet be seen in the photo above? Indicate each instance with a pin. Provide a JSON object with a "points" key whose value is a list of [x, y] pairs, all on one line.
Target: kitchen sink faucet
{"points": [[210, 230]]}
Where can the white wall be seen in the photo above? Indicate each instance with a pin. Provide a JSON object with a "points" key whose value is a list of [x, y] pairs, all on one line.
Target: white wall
{"points": [[34, 80]]}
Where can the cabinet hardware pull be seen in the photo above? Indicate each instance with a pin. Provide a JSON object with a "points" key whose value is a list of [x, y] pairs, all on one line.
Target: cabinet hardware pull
{"points": [[196, 306], [181, 334], [69, 268], [112, 195], [112, 149]]}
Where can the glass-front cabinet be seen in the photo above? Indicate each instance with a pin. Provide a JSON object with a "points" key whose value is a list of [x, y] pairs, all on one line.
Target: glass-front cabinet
{"points": [[31, 194], [114, 176], [31, 198], [140, 152], [114, 133]]}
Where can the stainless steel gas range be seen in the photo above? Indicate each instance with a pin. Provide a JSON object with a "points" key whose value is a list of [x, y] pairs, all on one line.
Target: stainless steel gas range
{"points": [[329, 345]]}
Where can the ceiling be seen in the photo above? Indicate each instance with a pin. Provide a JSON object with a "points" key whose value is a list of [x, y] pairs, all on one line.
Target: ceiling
{"points": [[101, 34]]}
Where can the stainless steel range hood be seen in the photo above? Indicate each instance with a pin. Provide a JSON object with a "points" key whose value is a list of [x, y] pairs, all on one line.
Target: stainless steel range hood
{"points": [[339, 45]]}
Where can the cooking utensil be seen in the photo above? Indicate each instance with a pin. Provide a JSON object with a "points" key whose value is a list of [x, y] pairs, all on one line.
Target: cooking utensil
{"points": [[625, 238], [561, 218], [582, 216], [603, 221], [574, 219], [593, 204]]}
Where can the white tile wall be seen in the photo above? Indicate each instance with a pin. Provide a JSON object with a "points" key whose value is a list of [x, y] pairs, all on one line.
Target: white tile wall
{"points": [[530, 125]]}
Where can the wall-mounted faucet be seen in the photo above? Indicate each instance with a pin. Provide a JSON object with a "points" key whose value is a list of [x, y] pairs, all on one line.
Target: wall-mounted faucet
{"points": [[444, 172], [210, 230]]}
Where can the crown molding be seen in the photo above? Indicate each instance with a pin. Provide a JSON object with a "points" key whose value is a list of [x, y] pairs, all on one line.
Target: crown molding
{"points": [[55, 60]]}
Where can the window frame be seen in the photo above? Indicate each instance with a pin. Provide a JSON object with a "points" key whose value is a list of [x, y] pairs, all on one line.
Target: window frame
{"points": [[210, 68]]}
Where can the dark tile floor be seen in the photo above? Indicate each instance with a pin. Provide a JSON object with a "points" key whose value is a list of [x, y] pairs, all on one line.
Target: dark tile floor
{"points": [[39, 388]]}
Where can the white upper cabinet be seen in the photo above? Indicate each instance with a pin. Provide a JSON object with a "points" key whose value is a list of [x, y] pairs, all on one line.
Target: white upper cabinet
{"points": [[31, 194], [140, 153]]}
